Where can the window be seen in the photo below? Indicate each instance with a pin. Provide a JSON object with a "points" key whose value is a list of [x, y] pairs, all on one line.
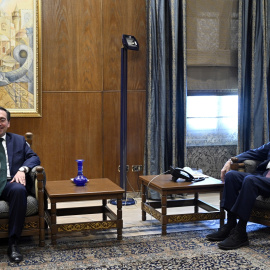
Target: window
{"points": [[212, 72], [212, 120]]}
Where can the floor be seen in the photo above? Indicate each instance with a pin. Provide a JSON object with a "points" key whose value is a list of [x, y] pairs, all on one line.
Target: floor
{"points": [[132, 218]]}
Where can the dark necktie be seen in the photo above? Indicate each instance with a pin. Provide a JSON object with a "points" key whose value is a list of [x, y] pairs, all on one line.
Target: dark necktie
{"points": [[3, 167]]}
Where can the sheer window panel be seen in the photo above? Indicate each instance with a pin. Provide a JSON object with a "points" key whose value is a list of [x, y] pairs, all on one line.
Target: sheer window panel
{"points": [[212, 120], [212, 32], [212, 46]]}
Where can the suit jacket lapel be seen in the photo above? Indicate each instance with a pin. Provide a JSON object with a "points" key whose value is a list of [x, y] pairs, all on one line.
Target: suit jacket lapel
{"points": [[262, 166]]}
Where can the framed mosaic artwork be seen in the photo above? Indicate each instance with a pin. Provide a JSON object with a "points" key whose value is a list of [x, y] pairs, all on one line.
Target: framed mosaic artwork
{"points": [[20, 57]]}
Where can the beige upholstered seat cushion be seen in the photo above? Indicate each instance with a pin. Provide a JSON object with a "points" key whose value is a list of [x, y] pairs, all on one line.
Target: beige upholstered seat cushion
{"points": [[263, 202], [251, 165]]}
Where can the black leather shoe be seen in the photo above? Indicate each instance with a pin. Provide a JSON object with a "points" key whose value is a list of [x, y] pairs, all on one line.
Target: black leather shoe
{"points": [[235, 240], [221, 234], [14, 253]]}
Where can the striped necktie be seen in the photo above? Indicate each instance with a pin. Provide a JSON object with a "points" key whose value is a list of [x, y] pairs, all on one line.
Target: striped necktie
{"points": [[3, 167]]}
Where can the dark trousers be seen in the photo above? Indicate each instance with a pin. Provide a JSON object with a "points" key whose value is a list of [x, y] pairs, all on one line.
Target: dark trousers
{"points": [[241, 190], [16, 195]]}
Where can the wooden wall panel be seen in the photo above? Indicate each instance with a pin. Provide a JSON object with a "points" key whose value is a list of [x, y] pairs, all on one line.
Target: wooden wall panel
{"points": [[135, 135], [72, 45], [124, 17], [79, 133], [111, 131], [70, 129]]}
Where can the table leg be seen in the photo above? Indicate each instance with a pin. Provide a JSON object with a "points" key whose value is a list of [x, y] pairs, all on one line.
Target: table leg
{"points": [[196, 208], [164, 214], [42, 225], [104, 203], [119, 219], [143, 202], [53, 223], [222, 212]]}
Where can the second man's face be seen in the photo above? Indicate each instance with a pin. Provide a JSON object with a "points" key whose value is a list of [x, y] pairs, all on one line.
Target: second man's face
{"points": [[4, 123]]}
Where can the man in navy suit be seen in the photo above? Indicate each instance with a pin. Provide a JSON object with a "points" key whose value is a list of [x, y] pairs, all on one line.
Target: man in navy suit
{"points": [[20, 160], [240, 192]]}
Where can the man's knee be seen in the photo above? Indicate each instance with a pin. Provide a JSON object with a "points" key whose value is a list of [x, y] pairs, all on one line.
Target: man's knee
{"points": [[17, 189], [231, 175], [249, 180]]}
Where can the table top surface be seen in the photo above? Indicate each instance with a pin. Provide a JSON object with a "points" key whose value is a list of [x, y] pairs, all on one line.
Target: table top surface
{"points": [[164, 182], [92, 187]]}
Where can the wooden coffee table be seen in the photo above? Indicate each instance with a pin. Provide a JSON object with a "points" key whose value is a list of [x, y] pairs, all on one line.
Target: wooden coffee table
{"points": [[96, 189], [165, 186]]}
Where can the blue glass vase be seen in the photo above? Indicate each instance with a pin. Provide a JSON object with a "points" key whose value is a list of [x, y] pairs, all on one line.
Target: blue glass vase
{"points": [[80, 179]]}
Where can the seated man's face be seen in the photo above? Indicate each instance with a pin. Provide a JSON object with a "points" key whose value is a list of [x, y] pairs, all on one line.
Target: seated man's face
{"points": [[4, 123]]}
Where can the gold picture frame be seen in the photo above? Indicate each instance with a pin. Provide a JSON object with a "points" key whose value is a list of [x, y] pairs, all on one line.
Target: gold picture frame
{"points": [[20, 57]]}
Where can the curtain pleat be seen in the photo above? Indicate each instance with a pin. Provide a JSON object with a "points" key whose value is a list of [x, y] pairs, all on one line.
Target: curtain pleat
{"points": [[253, 74], [166, 86]]}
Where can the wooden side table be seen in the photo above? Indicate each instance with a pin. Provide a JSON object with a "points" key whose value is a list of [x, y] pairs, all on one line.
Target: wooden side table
{"points": [[165, 186], [96, 189]]}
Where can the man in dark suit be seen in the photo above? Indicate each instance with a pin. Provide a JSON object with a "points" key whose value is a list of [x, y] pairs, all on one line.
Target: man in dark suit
{"points": [[20, 159], [240, 192]]}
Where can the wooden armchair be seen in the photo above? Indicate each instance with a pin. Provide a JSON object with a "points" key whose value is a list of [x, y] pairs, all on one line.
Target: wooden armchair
{"points": [[261, 210], [34, 221]]}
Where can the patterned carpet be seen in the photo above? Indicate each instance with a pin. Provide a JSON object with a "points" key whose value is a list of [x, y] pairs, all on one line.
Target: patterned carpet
{"points": [[177, 250]]}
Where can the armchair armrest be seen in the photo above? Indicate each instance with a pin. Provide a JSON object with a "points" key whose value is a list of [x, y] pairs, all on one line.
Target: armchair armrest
{"points": [[248, 165], [38, 177], [41, 182], [236, 165]]}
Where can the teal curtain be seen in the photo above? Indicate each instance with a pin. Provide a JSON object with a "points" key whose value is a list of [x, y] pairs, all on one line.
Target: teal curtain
{"points": [[166, 86], [253, 74]]}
